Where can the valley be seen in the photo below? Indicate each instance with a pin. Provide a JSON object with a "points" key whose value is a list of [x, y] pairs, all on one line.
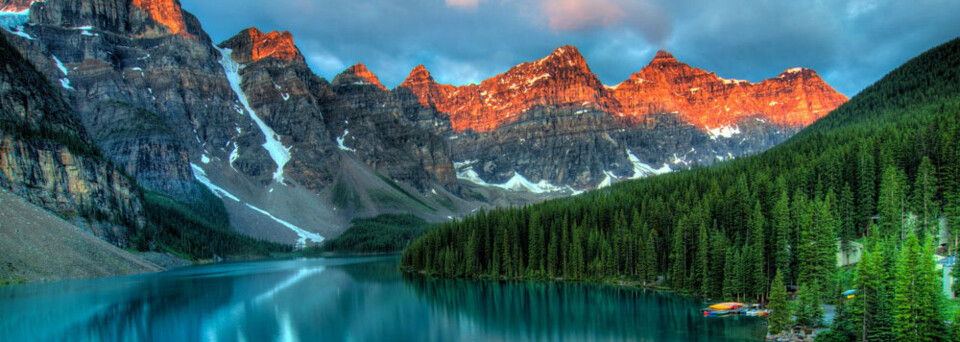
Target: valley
{"points": [[598, 174]]}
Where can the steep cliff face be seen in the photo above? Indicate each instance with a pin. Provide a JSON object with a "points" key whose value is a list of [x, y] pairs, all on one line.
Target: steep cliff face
{"points": [[389, 133], [317, 121], [14, 6], [361, 76], [286, 96], [327, 129], [294, 156], [48, 158], [795, 98], [551, 126], [146, 82], [562, 78], [166, 13]]}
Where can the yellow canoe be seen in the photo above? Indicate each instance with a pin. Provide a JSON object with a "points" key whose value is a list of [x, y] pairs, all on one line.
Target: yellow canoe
{"points": [[726, 306]]}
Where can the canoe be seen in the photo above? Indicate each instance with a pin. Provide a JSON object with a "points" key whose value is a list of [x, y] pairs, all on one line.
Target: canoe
{"points": [[726, 306]]}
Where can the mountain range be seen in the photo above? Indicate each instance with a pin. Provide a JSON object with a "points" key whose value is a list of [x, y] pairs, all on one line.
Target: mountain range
{"points": [[294, 157]]}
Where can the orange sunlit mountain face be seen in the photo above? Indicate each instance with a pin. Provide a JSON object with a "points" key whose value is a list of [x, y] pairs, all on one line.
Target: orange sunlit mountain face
{"points": [[166, 13], [796, 98]]}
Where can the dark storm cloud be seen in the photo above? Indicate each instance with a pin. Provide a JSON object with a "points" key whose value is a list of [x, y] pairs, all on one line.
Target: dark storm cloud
{"points": [[851, 43]]}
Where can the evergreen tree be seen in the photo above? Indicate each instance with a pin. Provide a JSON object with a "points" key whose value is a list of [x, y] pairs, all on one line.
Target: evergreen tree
{"points": [[891, 203], [923, 200], [553, 254], [678, 256], [955, 327], [867, 187], [756, 259], [780, 316], [809, 311], [731, 283], [650, 256], [916, 303], [537, 248], [702, 263], [781, 226], [848, 225]]}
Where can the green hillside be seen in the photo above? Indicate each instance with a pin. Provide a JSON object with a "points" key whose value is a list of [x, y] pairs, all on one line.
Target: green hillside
{"points": [[723, 231]]}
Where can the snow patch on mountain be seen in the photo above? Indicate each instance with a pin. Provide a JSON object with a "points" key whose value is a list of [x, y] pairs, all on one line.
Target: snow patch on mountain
{"points": [[65, 82], [516, 183], [13, 22], [201, 177], [723, 131], [234, 155], [303, 234], [607, 179], [341, 139], [279, 153], [641, 169]]}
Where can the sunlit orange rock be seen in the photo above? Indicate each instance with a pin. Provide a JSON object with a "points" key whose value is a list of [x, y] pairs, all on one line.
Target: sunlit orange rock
{"points": [[361, 71], [165, 12], [429, 92], [562, 78], [252, 45], [11, 6], [795, 98]]}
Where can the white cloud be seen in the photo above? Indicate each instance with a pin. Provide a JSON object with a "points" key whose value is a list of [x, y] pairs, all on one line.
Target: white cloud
{"points": [[324, 62], [463, 4]]}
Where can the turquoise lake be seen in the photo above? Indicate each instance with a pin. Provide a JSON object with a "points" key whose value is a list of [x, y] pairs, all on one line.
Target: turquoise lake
{"points": [[348, 299]]}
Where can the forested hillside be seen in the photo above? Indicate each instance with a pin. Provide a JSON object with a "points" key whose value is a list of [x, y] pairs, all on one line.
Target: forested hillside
{"points": [[884, 165]]}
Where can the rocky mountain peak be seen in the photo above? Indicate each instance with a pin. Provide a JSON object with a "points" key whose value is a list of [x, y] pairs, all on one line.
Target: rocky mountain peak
{"points": [[13, 6], [418, 75], [666, 62], [566, 57], [795, 98], [663, 55], [363, 75], [252, 45], [798, 72], [165, 12], [428, 91]]}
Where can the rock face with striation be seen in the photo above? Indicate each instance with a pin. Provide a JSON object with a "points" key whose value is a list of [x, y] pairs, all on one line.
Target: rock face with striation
{"points": [[328, 128], [550, 125], [389, 133], [286, 96], [795, 98], [47, 157], [14, 6], [146, 82], [293, 155]]}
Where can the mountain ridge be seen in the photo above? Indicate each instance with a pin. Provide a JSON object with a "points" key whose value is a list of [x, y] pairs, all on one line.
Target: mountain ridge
{"points": [[664, 85]]}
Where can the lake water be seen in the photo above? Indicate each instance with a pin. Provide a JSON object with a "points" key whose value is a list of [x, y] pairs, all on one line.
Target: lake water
{"points": [[349, 299]]}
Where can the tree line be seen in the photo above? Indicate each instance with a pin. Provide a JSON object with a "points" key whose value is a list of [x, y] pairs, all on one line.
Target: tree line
{"points": [[883, 170]]}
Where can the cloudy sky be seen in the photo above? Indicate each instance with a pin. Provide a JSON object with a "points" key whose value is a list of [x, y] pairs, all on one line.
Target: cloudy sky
{"points": [[851, 43]]}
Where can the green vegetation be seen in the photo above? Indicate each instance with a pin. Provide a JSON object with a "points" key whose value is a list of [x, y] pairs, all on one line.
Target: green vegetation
{"points": [[724, 231], [384, 197], [14, 281], [199, 230], [344, 196], [781, 315], [387, 233], [52, 121], [144, 122]]}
